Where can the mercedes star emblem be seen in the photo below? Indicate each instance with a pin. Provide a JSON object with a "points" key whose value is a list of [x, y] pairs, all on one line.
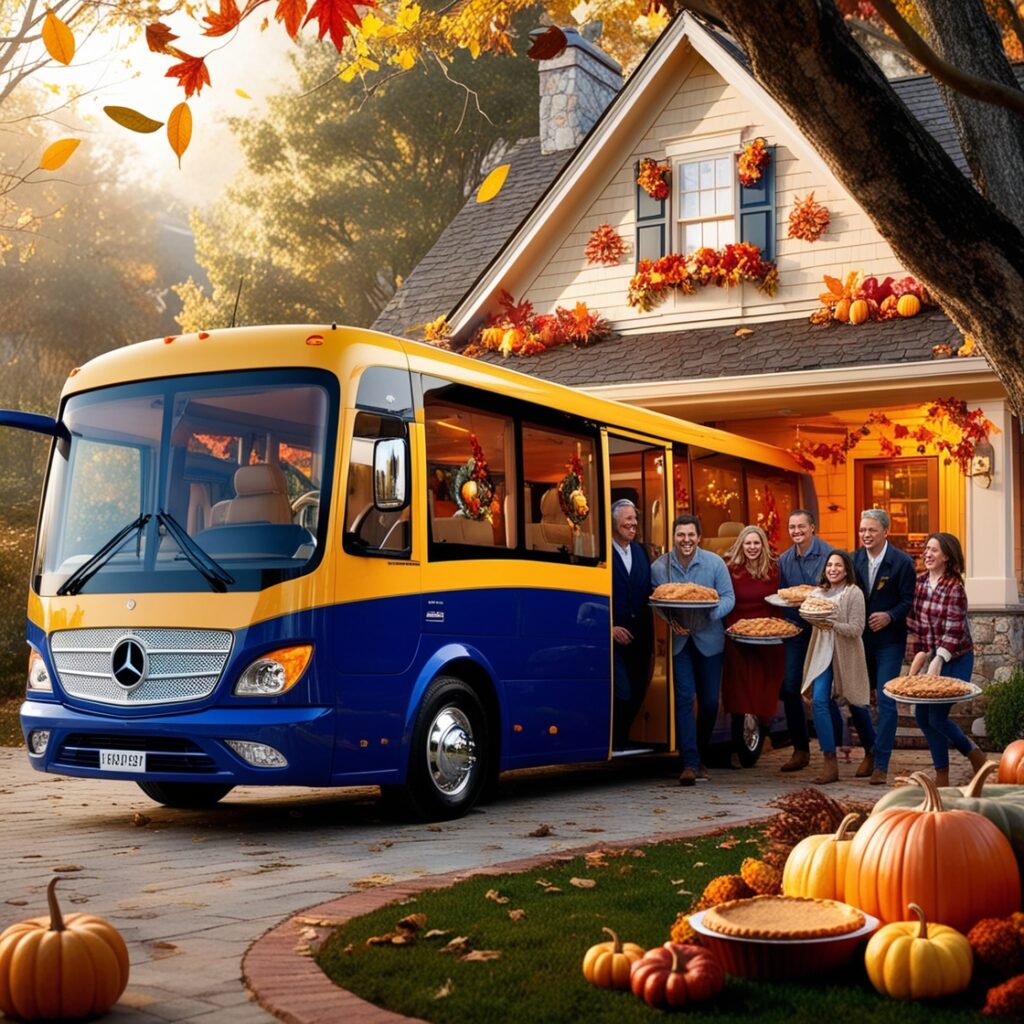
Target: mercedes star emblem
{"points": [[129, 663]]}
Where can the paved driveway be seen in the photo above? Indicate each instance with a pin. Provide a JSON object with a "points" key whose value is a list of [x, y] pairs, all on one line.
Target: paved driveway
{"points": [[190, 890]]}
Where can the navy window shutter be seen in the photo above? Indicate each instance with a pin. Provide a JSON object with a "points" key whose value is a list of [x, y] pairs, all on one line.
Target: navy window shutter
{"points": [[757, 211], [651, 223]]}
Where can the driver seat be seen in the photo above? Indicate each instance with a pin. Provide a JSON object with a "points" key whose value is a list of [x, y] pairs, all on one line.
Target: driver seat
{"points": [[261, 495]]}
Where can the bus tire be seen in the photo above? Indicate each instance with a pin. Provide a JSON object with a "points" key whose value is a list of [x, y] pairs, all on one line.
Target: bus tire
{"points": [[448, 753], [184, 794], [747, 739]]}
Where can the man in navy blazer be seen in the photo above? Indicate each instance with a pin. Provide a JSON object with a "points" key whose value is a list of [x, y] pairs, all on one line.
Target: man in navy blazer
{"points": [[632, 630], [887, 577]]}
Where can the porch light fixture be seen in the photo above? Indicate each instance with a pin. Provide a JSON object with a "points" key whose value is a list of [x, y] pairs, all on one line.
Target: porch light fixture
{"points": [[983, 464]]}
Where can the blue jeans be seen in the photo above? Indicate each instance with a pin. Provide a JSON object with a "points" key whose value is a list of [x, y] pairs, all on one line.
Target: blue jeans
{"points": [[933, 719], [884, 663], [828, 722], [792, 680], [700, 675]]}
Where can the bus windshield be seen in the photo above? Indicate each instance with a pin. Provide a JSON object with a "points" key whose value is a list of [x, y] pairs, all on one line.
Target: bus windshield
{"points": [[189, 484]]}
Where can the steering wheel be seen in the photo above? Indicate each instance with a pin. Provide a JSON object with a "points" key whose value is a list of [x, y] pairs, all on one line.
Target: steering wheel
{"points": [[305, 508]]}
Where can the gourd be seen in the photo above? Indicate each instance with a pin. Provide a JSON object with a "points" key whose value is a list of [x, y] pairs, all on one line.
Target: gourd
{"points": [[607, 965], [674, 975], [842, 311], [816, 866], [908, 305], [858, 311], [917, 960], [1011, 764], [61, 968], [956, 865]]}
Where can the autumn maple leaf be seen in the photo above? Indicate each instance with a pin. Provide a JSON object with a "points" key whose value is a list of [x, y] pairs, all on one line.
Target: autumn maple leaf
{"points": [[332, 16], [221, 22], [191, 74], [291, 13], [159, 37]]}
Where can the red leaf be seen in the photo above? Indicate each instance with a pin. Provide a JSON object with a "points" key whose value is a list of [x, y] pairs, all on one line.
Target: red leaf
{"points": [[332, 16], [159, 37], [548, 45], [291, 13], [223, 21], [191, 74]]}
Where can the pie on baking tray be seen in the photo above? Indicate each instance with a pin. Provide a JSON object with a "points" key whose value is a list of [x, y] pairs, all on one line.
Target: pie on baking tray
{"points": [[927, 687], [783, 917], [766, 627], [795, 595], [684, 592]]}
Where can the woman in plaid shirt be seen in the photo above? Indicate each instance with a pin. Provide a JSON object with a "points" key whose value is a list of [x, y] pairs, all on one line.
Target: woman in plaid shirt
{"points": [[940, 637]]}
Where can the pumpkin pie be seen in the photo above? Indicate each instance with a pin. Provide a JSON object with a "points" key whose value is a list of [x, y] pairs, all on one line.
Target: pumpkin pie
{"points": [[783, 917]]}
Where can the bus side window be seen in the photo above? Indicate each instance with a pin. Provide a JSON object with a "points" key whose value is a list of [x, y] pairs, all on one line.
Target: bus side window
{"points": [[367, 529]]}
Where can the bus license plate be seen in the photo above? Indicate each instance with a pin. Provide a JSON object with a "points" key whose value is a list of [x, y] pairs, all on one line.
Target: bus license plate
{"points": [[122, 761]]}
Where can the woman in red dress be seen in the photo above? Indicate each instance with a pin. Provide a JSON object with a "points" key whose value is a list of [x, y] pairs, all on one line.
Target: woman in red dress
{"points": [[752, 674]]}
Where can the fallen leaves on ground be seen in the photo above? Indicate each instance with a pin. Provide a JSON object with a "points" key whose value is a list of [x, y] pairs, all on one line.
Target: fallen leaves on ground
{"points": [[517, 915], [445, 990], [493, 894], [540, 832], [458, 945], [67, 868], [583, 883], [373, 881], [480, 955]]}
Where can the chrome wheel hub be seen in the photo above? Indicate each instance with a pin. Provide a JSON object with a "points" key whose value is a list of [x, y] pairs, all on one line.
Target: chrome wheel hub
{"points": [[451, 751]]}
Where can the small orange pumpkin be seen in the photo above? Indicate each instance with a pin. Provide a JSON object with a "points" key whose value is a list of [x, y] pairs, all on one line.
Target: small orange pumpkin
{"points": [[909, 305], [674, 975], [1011, 764], [859, 311], [61, 968], [607, 965], [842, 311]]}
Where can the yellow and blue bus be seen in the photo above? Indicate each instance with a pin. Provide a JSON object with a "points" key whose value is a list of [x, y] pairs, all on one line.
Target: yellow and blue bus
{"points": [[323, 556]]}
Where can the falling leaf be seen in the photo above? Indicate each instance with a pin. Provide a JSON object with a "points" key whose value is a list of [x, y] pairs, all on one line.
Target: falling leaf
{"points": [[548, 45], [479, 955], [742, 332], [583, 883], [58, 39], [517, 915], [243, 94], [159, 37], [291, 13], [191, 73], [492, 184], [223, 21], [57, 154], [334, 17], [445, 990], [179, 130], [132, 120], [540, 832], [493, 894]]}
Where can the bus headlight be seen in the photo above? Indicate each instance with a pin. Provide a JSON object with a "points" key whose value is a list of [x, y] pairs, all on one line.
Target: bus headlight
{"points": [[275, 672], [38, 677], [259, 755]]}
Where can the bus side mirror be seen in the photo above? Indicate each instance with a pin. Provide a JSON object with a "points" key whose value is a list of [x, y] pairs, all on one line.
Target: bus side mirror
{"points": [[32, 421], [390, 473]]}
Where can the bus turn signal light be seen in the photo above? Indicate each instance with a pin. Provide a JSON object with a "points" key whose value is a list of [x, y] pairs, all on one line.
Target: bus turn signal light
{"points": [[275, 672]]}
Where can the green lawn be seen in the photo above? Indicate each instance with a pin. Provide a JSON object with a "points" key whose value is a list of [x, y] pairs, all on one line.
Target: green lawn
{"points": [[538, 977]]}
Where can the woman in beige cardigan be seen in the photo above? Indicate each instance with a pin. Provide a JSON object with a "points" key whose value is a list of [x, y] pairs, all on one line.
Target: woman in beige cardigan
{"points": [[835, 670]]}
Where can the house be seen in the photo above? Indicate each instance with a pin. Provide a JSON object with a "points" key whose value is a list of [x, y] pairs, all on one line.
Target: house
{"points": [[864, 401]]}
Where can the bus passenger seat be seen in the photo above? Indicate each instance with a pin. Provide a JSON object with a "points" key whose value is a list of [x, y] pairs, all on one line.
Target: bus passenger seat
{"points": [[198, 509], [262, 495]]}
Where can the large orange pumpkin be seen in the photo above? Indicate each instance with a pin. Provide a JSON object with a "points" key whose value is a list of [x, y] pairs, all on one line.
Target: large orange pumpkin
{"points": [[956, 865], [61, 968], [1011, 764]]}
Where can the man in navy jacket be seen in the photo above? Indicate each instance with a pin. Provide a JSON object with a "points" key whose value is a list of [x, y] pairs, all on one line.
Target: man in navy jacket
{"points": [[887, 577], [632, 630]]}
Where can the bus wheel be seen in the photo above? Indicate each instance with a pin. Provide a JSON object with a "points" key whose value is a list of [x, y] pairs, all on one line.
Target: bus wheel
{"points": [[447, 759], [184, 794], [747, 739]]}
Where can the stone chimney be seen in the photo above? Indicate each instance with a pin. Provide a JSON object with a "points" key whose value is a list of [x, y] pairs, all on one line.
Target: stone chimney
{"points": [[575, 88]]}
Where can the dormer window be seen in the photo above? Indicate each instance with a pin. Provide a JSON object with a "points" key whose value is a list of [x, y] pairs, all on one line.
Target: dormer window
{"points": [[705, 202]]}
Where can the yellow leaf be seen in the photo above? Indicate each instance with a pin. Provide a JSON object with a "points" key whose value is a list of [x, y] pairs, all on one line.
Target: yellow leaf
{"points": [[179, 130], [57, 154], [492, 184], [132, 120], [243, 94], [58, 39], [742, 332], [408, 16]]}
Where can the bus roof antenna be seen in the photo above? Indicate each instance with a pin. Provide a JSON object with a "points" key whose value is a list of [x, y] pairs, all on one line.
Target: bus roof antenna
{"points": [[238, 295]]}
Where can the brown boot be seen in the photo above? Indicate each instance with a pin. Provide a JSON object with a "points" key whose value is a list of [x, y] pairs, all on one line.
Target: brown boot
{"points": [[866, 767], [941, 777], [977, 758], [878, 777], [797, 760], [830, 773]]}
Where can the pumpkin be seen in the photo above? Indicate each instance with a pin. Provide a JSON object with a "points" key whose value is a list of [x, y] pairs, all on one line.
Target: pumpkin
{"points": [[1011, 764], [607, 964], [1002, 805], [842, 310], [859, 311], [917, 960], [673, 976], [60, 968], [816, 866], [956, 865], [908, 305]]}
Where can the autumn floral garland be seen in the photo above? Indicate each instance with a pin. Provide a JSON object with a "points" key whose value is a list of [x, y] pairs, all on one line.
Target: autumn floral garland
{"points": [[653, 177], [725, 268], [605, 246], [472, 489], [752, 161], [572, 498]]}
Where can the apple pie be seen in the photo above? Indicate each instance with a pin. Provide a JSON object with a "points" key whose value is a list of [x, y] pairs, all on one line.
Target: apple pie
{"points": [[796, 595], [766, 627], [817, 606], [783, 917], [684, 592], [928, 687]]}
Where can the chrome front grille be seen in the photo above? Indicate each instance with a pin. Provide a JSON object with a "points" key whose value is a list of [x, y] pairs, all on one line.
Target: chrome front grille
{"points": [[184, 664]]}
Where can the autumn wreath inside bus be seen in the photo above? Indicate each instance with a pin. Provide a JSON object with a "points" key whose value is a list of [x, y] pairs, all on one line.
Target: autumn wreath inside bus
{"points": [[322, 556]]}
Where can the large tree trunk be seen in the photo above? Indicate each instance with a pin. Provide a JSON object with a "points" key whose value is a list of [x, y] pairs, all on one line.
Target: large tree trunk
{"points": [[943, 230]]}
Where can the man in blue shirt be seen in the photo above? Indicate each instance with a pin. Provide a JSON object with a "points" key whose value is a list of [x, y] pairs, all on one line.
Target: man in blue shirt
{"points": [[887, 577], [803, 563], [697, 652]]}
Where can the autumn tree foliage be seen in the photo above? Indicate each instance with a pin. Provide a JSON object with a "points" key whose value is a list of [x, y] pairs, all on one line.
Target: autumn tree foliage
{"points": [[340, 198]]}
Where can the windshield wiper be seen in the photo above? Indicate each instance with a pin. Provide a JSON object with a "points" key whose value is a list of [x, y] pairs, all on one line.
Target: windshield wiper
{"points": [[212, 571], [85, 572]]}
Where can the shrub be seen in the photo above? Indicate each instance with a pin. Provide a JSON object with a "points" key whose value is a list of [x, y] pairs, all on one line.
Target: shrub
{"points": [[1004, 714]]}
